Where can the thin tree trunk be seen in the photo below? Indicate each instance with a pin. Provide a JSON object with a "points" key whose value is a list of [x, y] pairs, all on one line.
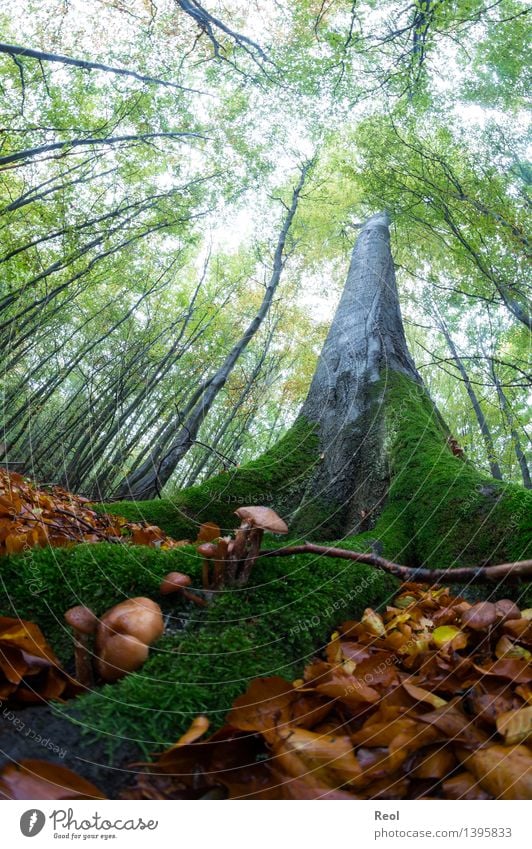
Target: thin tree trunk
{"points": [[507, 413], [481, 419], [148, 480]]}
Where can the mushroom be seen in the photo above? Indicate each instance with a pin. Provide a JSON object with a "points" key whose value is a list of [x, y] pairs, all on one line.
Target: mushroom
{"points": [[141, 621], [263, 518], [480, 616], [83, 622], [213, 577], [121, 653], [208, 550], [139, 617], [246, 545], [177, 582]]}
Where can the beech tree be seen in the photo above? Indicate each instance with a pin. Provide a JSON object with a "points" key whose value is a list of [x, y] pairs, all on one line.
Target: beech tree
{"points": [[369, 457], [193, 322]]}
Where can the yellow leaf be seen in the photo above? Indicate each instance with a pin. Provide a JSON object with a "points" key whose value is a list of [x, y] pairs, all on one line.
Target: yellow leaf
{"points": [[515, 725], [424, 695], [446, 634]]}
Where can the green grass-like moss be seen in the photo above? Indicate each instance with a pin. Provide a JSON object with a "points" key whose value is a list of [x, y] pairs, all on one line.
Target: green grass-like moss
{"points": [[453, 514], [41, 584], [273, 626]]}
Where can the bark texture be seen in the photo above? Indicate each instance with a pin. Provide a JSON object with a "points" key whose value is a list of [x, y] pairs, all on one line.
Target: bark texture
{"points": [[366, 340]]}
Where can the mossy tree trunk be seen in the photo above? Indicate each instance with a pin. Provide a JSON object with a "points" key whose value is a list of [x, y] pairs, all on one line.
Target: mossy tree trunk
{"points": [[368, 458], [346, 401]]}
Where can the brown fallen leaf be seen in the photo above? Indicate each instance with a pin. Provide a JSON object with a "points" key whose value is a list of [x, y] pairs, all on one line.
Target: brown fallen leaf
{"points": [[464, 785], [503, 771], [515, 725], [36, 779]]}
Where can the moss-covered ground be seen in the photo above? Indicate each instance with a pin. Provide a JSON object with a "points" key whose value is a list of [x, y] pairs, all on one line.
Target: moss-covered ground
{"points": [[272, 626], [440, 512]]}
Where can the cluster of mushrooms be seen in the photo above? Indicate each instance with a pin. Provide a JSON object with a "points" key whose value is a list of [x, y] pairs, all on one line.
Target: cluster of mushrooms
{"points": [[228, 562], [122, 636]]}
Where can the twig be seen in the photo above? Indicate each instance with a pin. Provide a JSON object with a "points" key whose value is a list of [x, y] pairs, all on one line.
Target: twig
{"points": [[460, 575]]}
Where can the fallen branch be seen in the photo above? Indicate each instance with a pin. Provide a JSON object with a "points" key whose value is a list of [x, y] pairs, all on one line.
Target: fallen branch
{"points": [[460, 575]]}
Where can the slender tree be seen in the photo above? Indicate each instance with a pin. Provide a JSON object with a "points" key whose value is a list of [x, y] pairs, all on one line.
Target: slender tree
{"points": [[148, 480]]}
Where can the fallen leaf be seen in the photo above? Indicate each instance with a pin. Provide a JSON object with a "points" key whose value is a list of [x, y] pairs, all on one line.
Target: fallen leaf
{"points": [[515, 725], [36, 779], [503, 771]]}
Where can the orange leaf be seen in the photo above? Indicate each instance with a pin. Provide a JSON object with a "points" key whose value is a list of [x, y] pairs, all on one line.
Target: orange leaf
{"points": [[208, 532], [504, 771], [515, 725], [35, 779], [197, 729]]}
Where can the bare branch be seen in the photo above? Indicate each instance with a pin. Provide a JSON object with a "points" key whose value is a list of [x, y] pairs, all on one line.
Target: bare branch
{"points": [[15, 50]]}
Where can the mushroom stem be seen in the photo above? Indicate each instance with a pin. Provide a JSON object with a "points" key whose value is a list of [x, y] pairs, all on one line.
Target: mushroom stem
{"points": [[218, 574], [254, 539], [83, 623], [205, 574], [83, 660], [194, 598]]}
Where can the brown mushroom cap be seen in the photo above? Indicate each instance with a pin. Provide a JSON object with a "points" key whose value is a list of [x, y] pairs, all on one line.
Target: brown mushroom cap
{"points": [[82, 619], [206, 549], [174, 582], [138, 617], [263, 517], [480, 616], [507, 609], [121, 654]]}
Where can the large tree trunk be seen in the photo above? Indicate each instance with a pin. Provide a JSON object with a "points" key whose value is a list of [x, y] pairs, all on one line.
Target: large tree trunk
{"points": [[345, 400], [368, 457]]}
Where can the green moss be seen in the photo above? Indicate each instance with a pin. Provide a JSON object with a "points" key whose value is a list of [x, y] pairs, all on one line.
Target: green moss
{"points": [[271, 627], [266, 480], [41, 584], [454, 514]]}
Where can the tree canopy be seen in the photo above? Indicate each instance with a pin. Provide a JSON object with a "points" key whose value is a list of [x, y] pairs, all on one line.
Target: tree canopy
{"points": [[148, 154]]}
